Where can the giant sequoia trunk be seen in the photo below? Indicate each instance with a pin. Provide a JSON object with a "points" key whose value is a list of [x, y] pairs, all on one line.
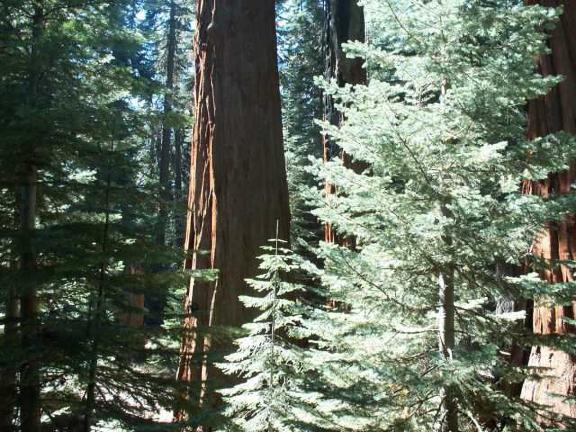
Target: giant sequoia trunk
{"points": [[554, 112], [238, 189], [344, 22]]}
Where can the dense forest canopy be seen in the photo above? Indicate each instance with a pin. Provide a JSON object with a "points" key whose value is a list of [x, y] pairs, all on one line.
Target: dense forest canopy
{"points": [[292, 215]]}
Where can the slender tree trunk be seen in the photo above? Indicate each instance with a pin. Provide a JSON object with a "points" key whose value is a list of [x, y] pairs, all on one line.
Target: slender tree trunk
{"points": [[11, 341], [446, 327], [446, 341], [97, 311], [165, 144], [8, 373], [30, 372], [238, 189], [155, 303], [179, 215], [30, 408], [344, 22], [178, 144], [555, 112]]}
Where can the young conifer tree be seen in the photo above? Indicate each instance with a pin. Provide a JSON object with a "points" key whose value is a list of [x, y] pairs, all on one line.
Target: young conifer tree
{"points": [[437, 216], [82, 360], [270, 359]]}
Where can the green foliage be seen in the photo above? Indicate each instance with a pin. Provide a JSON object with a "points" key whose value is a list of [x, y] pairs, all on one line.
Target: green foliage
{"points": [[169, 109], [300, 33], [441, 126], [84, 102], [271, 358], [71, 92]]}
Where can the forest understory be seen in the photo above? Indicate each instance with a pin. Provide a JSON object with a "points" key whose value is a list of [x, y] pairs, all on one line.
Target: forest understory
{"points": [[287, 216]]}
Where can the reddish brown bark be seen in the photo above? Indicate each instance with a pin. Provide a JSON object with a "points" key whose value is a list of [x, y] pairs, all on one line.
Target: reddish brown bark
{"points": [[238, 189], [134, 316], [344, 22], [555, 112]]}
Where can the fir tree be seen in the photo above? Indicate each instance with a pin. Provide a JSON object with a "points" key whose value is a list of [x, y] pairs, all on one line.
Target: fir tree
{"points": [[168, 27], [81, 358], [271, 359], [436, 214], [402, 330]]}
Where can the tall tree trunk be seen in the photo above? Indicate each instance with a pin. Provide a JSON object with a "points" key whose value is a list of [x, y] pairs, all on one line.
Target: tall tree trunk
{"points": [[555, 112], [97, 311], [155, 303], [8, 373], [446, 317], [179, 215], [446, 342], [30, 371], [344, 22], [165, 143], [30, 409], [238, 189]]}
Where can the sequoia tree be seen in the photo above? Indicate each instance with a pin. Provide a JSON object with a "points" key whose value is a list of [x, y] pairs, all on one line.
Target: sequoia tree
{"points": [[238, 190], [548, 114]]}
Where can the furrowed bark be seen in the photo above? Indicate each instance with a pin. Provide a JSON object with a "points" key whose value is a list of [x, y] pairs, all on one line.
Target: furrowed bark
{"points": [[238, 187], [555, 112]]}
